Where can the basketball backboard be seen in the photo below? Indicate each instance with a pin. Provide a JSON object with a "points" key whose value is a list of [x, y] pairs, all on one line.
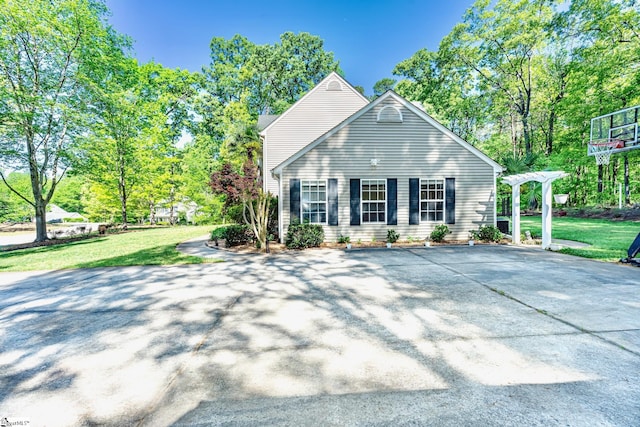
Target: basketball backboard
{"points": [[617, 131]]}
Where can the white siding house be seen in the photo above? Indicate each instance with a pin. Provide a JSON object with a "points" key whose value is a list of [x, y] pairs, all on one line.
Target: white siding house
{"points": [[387, 166], [326, 105]]}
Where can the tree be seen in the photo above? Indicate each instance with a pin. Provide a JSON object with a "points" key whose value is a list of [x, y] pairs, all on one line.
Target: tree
{"points": [[262, 78], [498, 46], [47, 51], [278, 75], [383, 85], [110, 153], [141, 113], [246, 189], [533, 73], [601, 39], [243, 81], [169, 95]]}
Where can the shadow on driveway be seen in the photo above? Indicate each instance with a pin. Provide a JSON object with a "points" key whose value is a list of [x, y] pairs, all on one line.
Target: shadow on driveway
{"points": [[446, 335]]}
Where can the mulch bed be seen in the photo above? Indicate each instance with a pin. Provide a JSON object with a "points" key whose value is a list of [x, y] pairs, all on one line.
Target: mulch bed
{"points": [[612, 214], [275, 248]]}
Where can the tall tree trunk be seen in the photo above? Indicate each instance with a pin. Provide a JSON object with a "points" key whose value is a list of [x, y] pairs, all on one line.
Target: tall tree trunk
{"points": [[552, 114], [549, 141], [527, 134], [122, 189], [172, 197], [172, 208], [40, 204], [41, 220], [152, 213], [627, 190], [122, 185], [514, 135], [600, 173]]}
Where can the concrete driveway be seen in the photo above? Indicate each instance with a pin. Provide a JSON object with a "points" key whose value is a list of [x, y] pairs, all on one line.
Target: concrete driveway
{"points": [[484, 335]]}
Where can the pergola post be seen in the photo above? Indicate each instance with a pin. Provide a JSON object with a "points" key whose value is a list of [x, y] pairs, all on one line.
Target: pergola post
{"points": [[546, 214], [515, 214]]}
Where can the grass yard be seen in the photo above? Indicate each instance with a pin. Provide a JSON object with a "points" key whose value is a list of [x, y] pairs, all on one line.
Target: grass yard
{"points": [[609, 240], [144, 247]]}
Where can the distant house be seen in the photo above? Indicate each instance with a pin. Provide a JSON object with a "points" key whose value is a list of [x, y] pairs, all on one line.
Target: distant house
{"points": [[365, 167], [57, 214], [186, 208]]}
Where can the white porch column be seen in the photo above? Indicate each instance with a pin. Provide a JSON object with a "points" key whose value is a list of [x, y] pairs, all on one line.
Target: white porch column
{"points": [[546, 214], [515, 214]]}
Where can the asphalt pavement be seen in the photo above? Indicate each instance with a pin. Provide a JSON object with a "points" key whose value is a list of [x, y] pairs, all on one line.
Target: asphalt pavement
{"points": [[483, 335]]}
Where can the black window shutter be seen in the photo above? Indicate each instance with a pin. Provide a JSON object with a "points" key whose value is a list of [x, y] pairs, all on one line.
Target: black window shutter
{"points": [[450, 201], [354, 201], [392, 201], [333, 201], [414, 201], [294, 200]]}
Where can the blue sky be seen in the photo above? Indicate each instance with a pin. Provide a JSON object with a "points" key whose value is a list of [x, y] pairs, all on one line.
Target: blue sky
{"points": [[368, 37]]}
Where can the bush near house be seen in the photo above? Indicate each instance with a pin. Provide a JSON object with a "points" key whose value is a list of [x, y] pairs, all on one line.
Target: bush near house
{"points": [[218, 233], [487, 233], [234, 235], [439, 233], [302, 236], [344, 239]]}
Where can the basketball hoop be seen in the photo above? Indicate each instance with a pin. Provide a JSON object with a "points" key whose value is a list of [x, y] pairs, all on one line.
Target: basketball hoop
{"points": [[602, 150]]}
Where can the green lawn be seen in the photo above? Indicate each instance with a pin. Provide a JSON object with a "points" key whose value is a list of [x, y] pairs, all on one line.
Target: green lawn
{"points": [[609, 240], [144, 247]]}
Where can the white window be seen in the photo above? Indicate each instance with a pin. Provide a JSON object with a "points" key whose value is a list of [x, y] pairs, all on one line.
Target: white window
{"points": [[431, 199], [314, 201], [374, 200]]}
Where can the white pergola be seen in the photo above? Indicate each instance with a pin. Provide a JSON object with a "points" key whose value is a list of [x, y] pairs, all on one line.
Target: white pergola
{"points": [[545, 178]]}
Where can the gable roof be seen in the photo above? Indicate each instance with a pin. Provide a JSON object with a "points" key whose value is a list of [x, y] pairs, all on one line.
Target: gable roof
{"points": [[332, 76], [410, 106]]}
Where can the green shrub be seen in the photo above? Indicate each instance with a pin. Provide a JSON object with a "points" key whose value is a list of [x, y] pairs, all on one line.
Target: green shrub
{"points": [[218, 233], [392, 236], [439, 233], [344, 239], [237, 235], [234, 235], [302, 236], [487, 233]]}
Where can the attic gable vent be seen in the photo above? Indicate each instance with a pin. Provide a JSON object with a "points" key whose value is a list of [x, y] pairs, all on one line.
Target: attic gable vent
{"points": [[389, 114], [334, 85]]}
